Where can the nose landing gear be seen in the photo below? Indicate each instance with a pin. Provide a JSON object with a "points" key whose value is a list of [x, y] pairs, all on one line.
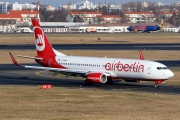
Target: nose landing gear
{"points": [[157, 82]]}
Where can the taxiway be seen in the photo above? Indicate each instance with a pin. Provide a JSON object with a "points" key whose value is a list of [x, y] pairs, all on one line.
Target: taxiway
{"points": [[13, 75]]}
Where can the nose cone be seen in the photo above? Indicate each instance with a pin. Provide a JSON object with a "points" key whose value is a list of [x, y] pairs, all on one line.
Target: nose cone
{"points": [[170, 74]]}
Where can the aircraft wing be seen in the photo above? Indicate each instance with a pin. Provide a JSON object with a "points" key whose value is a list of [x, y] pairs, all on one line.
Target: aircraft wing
{"points": [[67, 72]]}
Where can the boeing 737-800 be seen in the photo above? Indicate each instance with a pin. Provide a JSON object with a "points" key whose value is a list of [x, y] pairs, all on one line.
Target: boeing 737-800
{"points": [[144, 28], [94, 69]]}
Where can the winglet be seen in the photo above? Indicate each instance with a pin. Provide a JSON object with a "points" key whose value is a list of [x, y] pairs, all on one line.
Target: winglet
{"points": [[13, 59], [141, 55]]}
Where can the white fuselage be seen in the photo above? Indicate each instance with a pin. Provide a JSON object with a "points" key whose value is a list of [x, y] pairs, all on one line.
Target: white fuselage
{"points": [[118, 68]]}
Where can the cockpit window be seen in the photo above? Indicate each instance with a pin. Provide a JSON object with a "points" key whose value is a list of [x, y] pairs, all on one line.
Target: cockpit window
{"points": [[162, 68]]}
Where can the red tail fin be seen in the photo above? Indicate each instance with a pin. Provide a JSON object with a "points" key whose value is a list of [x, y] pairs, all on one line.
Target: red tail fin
{"points": [[43, 46], [141, 55]]}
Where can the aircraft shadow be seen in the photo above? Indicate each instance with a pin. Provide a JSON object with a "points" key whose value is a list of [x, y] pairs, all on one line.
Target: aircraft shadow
{"points": [[76, 83]]}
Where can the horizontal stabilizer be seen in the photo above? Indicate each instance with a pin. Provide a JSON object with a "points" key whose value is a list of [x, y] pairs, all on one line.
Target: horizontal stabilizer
{"points": [[13, 59], [29, 57]]}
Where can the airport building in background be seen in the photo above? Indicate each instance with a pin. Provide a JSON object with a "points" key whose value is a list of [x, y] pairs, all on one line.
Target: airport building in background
{"points": [[16, 16], [10, 21], [6, 6], [20, 15], [87, 17], [82, 5], [89, 5]]}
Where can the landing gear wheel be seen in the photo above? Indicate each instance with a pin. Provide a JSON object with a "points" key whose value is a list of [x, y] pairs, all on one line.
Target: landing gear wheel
{"points": [[156, 86], [157, 82], [86, 82], [109, 82]]}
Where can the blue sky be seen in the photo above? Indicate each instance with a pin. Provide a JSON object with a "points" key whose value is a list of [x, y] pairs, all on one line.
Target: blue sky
{"points": [[57, 3]]}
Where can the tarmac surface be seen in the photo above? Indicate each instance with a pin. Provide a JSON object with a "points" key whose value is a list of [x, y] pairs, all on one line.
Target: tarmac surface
{"points": [[167, 46], [13, 75]]}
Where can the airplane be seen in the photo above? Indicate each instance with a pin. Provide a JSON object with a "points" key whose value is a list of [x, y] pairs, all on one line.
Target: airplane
{"points": [[148, 29], [94, 69]]}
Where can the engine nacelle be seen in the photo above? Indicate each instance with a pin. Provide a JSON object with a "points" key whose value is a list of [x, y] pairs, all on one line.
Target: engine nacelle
{"points": [[96, 78]]}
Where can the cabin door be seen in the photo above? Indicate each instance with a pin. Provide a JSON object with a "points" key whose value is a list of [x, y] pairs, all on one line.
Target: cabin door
{"points": [[149, 69]]}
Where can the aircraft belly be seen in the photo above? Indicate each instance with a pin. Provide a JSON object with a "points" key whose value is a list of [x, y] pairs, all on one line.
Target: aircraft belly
{"points": [[130, 75]]}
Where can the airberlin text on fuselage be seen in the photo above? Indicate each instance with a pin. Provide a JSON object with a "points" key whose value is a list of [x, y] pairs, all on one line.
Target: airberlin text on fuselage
{"points": [[118, 66]]}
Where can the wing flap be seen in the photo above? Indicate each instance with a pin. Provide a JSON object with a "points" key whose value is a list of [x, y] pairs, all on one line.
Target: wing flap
{"points": [[55, 69]]}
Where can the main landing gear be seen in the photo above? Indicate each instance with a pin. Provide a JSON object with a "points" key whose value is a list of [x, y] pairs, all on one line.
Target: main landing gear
{"points": [[157, 82], [156, 85], [110, 81], [86, 82]]}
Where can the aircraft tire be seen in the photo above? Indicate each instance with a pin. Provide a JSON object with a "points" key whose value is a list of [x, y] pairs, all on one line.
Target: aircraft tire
{"points": [[109, 82], [156, 86], [86, 82]]}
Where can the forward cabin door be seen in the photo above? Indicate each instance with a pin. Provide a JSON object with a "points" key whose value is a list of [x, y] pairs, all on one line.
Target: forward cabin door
{"points": [[149, 69]]}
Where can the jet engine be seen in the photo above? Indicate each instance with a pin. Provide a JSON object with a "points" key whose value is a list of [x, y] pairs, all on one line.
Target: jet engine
{"points": [[96, 78]]}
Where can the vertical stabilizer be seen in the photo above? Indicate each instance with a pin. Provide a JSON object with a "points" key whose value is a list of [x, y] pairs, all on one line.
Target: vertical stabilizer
{"points": [[43, 47]]}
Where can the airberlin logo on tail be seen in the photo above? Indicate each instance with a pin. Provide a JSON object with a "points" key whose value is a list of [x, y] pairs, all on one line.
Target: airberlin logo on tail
{"points": [[39, 38]]}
